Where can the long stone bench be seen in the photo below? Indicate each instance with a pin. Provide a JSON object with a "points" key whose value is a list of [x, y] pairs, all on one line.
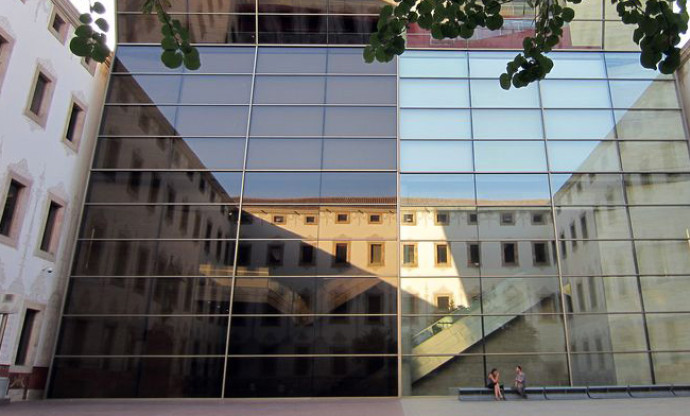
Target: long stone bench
{"points": [[579, 392]]}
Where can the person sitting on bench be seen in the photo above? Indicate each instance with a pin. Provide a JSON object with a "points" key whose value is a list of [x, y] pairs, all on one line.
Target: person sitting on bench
{"points": [[492, 382], [519, 383]]}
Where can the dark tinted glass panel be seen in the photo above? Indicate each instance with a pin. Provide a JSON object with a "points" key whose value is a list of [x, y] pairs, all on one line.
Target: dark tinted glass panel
{"points": [[174, 120], [284, 154], [313, 335], [293, 60], [506, 189], [196, 6], [167, 258], [358, 187], [294, 7], [437, 189], [290, 90], [157, 221], [187, 295], [293, 29], [360, 90], [311, 377], [281, 187], [214, 28], [354, 7], [359, 154], [350, 30], [137, 186], [349, 61], [143, 335], [601, 332], [217, 60], [315, 295], [171, 89], [610, 369], [524, 333], [134, 28], [211, 153], [587, 189], [136, 377], [431, 376]]}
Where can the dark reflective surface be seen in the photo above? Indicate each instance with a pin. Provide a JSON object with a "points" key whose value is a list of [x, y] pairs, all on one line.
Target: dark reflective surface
{"points": [[171, 89], [311, 377], [136, 377]]}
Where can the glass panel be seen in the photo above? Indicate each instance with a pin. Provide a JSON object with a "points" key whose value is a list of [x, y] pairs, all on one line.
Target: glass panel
{"points": [[313, 335], [435, 156], [359, 154], [371, 121], [280, 222], [361, 90], [575, 94], [643, 94], [524, 333], [489, 64], [349, 60], [488, 93], [595, 333], [157, 221], [438, 334], [583, 34], [583, 156], [137, 377], [663, 257], [611, 369], [515, 189], [447, 259], [135, 187], [435, 124], [153, 258], [317, 121], [579, 124], [195, 6], [578, 64], [433, 64], [144, 89], [177, 121], [312, 377], [289, 90], [517, 295], [316, 295], [515, 223], [655, 156], [437, 190], [587, 189], [186, 295], [437, 93], [597, 258], [213, 59], [618, 37], [658, 188], [358, 187], [517, 258], [421, 296], [660, 222], [627, 65], [671, 367], [284, 154], [668, 331], [291, 60], [293, 29], [426, 223], [350, 30], [665, 293], [146, 335], [281, 187], [201, 153], [592, 222], [650, 124], [110, 153], [602, 294], [520, 156], [507, 124], [446, 372], [540, 369]]}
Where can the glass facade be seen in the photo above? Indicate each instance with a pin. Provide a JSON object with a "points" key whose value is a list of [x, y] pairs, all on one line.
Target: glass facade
{"points": [[289, 221]]}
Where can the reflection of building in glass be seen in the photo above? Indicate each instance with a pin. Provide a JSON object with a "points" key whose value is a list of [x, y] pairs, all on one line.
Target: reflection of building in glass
{"points": [[289, 221]]}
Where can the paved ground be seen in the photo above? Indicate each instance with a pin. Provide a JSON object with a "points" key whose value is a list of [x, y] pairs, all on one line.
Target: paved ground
{"points": [[350, 407]]}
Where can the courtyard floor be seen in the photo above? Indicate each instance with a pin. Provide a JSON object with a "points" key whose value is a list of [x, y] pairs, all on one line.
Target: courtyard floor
{"points": [[350, 407]]}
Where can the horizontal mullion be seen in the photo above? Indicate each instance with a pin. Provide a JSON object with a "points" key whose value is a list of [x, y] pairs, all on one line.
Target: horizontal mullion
{"points": [[225, 314], [326, 13], [179, 104], [312, 276]]}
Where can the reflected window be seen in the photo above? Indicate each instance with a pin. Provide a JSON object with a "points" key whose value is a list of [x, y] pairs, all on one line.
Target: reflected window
{"points": [[341, 254], [310, 219], [278, 219], [342, 218], [442, 218], [410, 255], [509, 252], [473, 255], [409, 218], [442, 255], [564, 247], [472, 218], [275, 255], [583, 226], [376, 254], [307, 255], [507, 218], [443, 303], [244, 255], [538, 219], [375, 219], [540, 254]]}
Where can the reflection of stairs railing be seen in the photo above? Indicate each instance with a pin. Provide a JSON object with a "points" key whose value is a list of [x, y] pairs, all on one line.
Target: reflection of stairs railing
{"points": [[462, 328]]}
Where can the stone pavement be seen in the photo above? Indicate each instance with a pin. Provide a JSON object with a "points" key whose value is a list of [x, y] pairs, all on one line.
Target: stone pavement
{"points": [[350, 407]]}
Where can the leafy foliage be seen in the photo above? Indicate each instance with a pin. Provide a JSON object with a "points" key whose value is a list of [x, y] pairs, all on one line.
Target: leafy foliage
{"points": [[177, 50], [658, 30], [88, 42]]}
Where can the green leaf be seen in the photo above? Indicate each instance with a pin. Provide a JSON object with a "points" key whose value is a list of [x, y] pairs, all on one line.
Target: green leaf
{"points": [[85, 18], [386, 12], [494, 22], [169, 43], [649, 25], [191, 60], [437, 31], [492, 7], [98, 7], [649, 59], [83, 31], [466, 32], [102, 24], [100, 52], [369, 54], [166, 30], [172, 59], [425, 7], [79, 46], [504, 79], [568, 14]]}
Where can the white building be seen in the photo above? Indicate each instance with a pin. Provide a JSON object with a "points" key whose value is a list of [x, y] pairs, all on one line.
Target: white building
{"points": [[50, 107]]}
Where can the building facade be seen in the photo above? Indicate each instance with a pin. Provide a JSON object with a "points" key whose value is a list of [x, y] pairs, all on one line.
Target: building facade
{"points": [[50, 107], [289, 221]]}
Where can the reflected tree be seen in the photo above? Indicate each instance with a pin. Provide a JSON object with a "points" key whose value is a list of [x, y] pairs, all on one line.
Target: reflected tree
{"points": [[657, 31]]}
